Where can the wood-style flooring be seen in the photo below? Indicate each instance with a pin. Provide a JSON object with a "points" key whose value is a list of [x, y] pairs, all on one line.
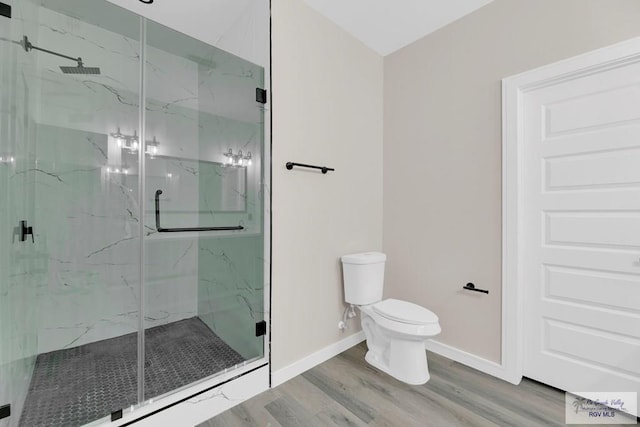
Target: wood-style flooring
{"points": [[346, 391]]}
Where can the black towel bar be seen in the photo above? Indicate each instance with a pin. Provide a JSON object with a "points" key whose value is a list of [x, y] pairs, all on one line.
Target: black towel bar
{"points": [[324, 169], [175, 230]]}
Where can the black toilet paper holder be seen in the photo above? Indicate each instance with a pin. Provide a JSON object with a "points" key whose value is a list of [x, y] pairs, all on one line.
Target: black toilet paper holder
{"points": [[472, 287]]}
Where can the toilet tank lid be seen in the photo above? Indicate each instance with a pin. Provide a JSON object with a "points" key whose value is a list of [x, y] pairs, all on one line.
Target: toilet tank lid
{"points": [[405, 312], [364, 258]]}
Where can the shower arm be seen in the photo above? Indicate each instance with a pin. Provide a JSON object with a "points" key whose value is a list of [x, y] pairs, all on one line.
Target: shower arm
{"points": [[27, 45]]}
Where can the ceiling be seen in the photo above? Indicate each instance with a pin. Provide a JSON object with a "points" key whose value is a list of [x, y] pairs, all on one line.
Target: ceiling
{"points": [[388, 25]]}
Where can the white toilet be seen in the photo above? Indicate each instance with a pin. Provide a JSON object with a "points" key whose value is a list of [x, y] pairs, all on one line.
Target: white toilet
{"points": [[396, 330]]}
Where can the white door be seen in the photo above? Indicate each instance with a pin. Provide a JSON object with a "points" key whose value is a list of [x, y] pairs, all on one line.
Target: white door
{"points": [[581, 231]]}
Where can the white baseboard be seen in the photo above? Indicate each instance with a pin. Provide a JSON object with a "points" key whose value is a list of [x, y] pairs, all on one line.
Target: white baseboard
{"points": [[470, 360], [296, 368]]}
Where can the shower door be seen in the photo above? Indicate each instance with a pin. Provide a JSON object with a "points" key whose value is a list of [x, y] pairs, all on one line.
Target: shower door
{"points": [[69, 239], [18, 314], [204, 242], [132, 233]]}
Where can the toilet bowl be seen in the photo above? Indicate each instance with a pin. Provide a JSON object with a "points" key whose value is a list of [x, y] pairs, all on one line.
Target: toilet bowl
{"points": [[395, 330]]}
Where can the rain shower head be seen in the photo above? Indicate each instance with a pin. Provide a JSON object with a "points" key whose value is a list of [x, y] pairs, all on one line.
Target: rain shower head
{"points": [[79, 69]]}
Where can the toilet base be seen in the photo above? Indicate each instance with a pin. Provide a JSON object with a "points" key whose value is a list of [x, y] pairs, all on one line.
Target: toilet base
{"points": [[396, 348], [407, 362]]}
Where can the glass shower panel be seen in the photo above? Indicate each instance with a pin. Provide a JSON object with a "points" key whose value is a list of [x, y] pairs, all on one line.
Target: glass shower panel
{"points": [[203, 288], [79, 269], [19, 272]]}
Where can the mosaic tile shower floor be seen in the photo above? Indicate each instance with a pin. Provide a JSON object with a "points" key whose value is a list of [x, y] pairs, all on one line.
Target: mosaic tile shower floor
{"points": [[75, 386]]}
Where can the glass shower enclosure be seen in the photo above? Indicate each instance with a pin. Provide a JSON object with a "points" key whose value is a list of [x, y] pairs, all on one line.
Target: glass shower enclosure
{"points": [[132, 226]]}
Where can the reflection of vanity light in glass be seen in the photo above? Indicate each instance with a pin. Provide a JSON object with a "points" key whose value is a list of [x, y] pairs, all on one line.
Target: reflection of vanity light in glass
{"points": [[169, 175], [238, 159], [7, 159], [117, 170], [152, 147], [132, 142], [133, 146], [120, 138]]}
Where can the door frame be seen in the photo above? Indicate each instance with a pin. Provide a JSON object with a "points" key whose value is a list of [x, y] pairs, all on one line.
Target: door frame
{"points": [[513, 179]]}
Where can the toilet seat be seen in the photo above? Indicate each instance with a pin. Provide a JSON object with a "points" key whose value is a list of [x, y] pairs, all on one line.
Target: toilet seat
{"points": [[404, 312], [408, 330]]}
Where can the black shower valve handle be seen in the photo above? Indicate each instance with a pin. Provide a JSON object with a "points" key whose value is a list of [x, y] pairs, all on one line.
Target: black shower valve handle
{"points": [[25, 231]]}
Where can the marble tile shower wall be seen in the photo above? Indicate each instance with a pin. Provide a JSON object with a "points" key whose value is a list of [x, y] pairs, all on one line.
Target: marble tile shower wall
{"points": [[87, 219], [231, 285], [231, 292], [88, 235]]}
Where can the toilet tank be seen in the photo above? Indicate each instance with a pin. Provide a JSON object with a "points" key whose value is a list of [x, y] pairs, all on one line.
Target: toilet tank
{"points": [[363, 276]]}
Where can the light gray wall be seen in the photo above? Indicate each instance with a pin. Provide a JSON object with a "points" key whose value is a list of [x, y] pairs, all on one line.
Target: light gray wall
{"points": [[442, 150], [327, 104]]}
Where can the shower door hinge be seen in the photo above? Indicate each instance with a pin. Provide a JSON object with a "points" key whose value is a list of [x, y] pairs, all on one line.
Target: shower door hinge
{"points": [[5, 411], [5, 10], [261, 328], [261, 95], [116, 415]]}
